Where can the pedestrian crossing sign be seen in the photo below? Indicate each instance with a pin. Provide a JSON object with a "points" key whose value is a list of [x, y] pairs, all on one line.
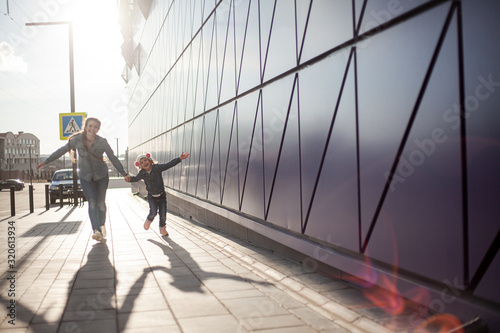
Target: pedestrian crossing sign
{"points": [[70, 123]]}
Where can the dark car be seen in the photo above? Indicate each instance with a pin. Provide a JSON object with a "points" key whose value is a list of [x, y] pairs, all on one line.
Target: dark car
{"points": [[63, 177], [6, 184]]}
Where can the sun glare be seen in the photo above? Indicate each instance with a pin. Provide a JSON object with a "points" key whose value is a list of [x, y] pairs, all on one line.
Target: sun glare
{"points": [[94, 24]]}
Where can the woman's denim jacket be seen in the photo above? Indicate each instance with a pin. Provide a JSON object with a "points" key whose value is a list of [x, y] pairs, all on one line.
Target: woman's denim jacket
{"points": [[154, 179], [91, 166]]}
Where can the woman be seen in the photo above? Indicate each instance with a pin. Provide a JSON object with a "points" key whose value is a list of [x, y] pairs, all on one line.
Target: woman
{"points": [[93, 171]]}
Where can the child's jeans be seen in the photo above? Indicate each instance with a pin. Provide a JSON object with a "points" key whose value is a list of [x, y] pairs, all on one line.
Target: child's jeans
{"points": [[158, 205]]}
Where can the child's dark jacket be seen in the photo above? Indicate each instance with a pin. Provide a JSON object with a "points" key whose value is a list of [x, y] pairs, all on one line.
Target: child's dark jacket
{"points": [[154, 179]]}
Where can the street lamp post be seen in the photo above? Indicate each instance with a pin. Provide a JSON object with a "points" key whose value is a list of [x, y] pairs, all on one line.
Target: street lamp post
{"points": [[72, 88], [10, 164], [31, 169], [31, 183], [118, 155]]}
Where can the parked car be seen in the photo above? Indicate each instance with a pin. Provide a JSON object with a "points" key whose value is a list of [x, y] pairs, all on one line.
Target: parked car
{"points": [[6, 184], [65, 178]]}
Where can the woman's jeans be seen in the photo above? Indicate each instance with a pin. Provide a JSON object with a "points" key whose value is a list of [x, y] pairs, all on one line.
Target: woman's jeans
{"points": [[158, 204], [95, 192]]}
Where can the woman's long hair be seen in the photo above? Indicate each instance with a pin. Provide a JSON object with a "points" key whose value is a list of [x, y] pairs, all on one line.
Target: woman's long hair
{"points": [[84, 137]]}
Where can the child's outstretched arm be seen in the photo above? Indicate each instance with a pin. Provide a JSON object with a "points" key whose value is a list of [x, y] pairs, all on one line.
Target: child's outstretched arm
{"points": [[132, 179], [174, 162]]}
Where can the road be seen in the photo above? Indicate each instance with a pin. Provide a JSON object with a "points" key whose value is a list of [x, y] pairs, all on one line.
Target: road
{"points": [[22, 197]]}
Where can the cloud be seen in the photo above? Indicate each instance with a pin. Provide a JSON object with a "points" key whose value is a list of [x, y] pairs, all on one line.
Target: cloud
{"points": [[9, 62]]}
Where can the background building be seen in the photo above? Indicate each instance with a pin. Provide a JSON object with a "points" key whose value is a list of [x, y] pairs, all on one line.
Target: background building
{"points": [[19, 155], [359, 135]]}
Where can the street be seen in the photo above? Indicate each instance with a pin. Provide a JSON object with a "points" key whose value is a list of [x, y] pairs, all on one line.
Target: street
{"points": [[22, 197]]}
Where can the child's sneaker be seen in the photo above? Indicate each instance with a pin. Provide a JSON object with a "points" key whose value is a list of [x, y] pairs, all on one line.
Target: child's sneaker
{"points": [[147, 224], [103, 231], [163, 231], [97, 235]]}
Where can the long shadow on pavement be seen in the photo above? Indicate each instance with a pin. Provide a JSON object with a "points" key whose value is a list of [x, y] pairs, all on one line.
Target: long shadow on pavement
{"points": [[176, 252], [90, 306]]}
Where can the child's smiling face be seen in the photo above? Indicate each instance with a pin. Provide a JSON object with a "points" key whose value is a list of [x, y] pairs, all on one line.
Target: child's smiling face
{"points": [[145, 163]]}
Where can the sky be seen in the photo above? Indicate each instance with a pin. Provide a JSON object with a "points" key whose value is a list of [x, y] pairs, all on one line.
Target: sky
{"points": [[35, 70]]}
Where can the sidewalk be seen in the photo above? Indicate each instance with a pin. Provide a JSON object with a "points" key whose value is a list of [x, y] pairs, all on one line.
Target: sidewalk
{"points": [[195, 280]]}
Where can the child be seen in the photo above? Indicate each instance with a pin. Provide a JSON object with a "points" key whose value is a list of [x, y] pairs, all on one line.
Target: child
{"points": [[151, 172]]}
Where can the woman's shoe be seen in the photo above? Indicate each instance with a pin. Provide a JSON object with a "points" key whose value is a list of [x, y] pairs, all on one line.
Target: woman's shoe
{"points": [[163, 231], [103, 231], [147, 224], [97, 235]]}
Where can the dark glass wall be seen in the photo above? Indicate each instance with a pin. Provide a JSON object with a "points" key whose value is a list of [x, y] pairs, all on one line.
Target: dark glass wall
{"points": [[371, 127]]}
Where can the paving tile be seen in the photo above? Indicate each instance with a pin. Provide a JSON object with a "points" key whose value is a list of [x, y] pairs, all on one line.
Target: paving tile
{"points": [[91, 326], [141, 302], [350, 297], [95, 284], [317, 321], [104, 273], [195, 304], [226, 284], [147, 319], [160, 329], [48, 315], [90, 303], [53, 302], [182, 282], [232, 294], [286, 299], [42, 328], [301, 329], [269, 322], [254, 307], [219, 324], [21, 320], [124, 291], [88, 314]]}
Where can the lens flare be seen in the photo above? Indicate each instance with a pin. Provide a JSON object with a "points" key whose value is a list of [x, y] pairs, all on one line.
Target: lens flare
{"points": [[441, 323]]}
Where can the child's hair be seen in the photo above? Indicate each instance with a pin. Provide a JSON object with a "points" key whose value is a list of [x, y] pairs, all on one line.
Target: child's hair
{"points": [[140, 157]]}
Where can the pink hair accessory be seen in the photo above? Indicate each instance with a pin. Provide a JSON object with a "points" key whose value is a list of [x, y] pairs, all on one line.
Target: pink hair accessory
{"points": [[140, 157]]}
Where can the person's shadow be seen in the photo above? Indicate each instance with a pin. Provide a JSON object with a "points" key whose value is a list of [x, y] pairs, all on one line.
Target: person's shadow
{"points": [[176, 252], [90, 306], [91, 302]]}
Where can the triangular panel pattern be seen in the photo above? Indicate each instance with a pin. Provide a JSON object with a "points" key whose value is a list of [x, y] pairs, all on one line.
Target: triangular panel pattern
{"points": [[215, 166], [281, 50], [428, 214], [211, 67], [231, 179], [201, 176], [285, 188], [249, 36], [248, 119], [403, 85], [330, 24], [227, 51], [276, 103], [333, 215], [319, 89], [252, 194]]}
